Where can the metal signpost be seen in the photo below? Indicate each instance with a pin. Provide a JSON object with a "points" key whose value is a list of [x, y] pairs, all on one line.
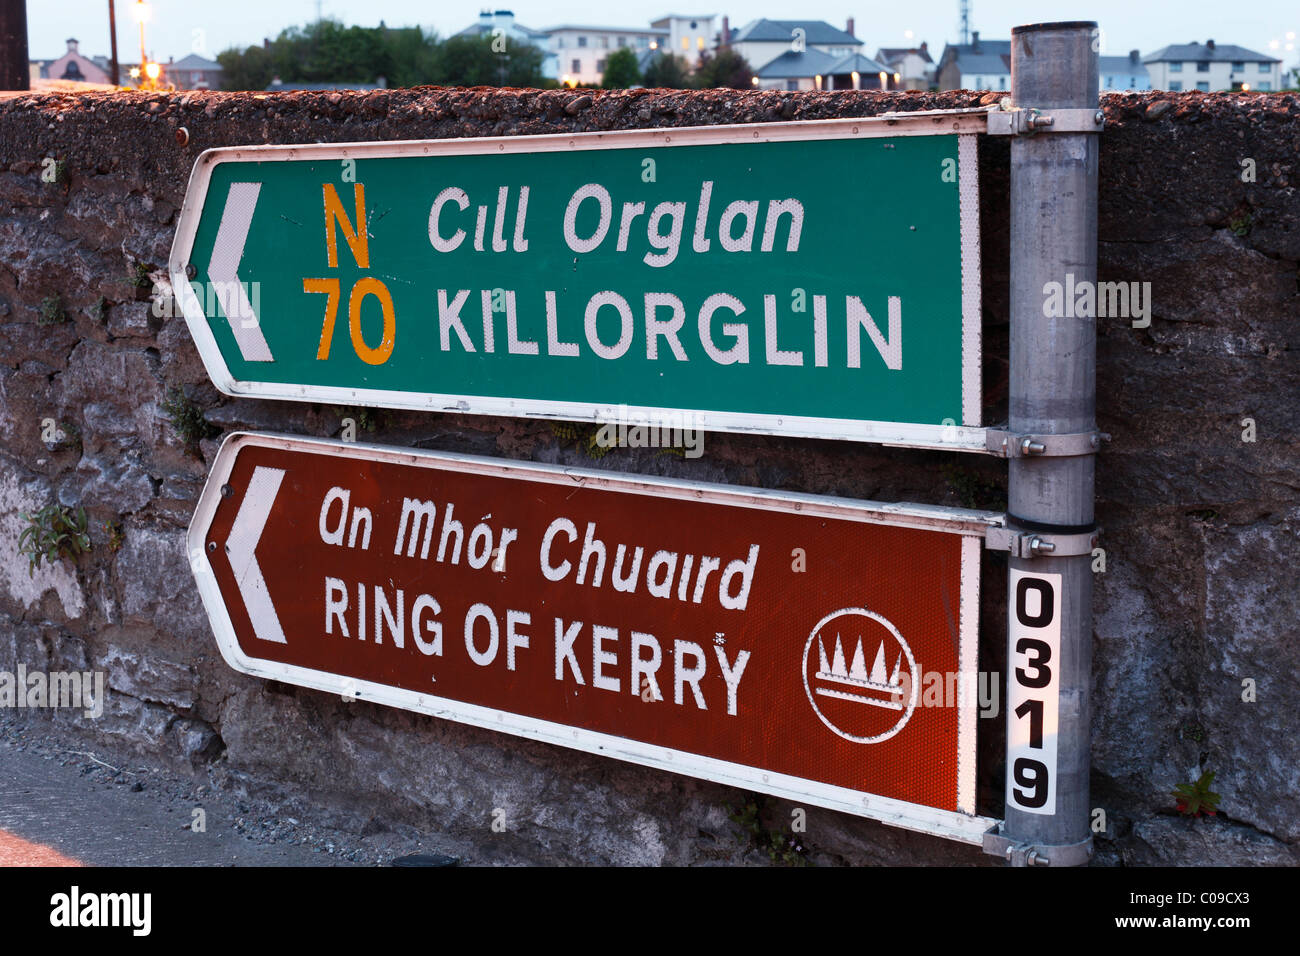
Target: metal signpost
{"points": [[815, 279], [810, 647], [803, 279]]}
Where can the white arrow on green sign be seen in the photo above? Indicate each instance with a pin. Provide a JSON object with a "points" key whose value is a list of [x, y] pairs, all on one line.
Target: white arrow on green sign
{"points": [[811, 279]]}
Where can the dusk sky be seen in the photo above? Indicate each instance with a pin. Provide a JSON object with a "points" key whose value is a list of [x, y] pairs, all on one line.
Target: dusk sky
{"points": [[179, 27]]}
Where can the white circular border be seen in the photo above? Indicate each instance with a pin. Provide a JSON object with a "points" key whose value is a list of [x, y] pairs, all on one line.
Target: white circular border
{"points": [[911, 706]]}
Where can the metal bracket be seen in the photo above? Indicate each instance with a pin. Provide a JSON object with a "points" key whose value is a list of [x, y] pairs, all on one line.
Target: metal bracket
{"points": [[1007, 444], [1026, 121], [1040, 544], [1025, 854]]}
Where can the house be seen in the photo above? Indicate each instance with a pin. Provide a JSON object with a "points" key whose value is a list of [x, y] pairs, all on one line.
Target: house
{"points": [[762, 41], [582, 51], [1122, 73], [688, 36], [72, 66], [194, 72], [502, 23], [1210, 67], [913, 65], [978, 65], [814, 70]]}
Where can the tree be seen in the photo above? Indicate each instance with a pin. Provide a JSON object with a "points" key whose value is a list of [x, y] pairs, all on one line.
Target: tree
{"points": [[621, 70], [249, 70], [471, 61], [728, 69], [668, 71]]}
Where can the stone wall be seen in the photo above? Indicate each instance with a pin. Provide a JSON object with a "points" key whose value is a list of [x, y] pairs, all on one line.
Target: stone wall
{"points": [[1200, 587]]}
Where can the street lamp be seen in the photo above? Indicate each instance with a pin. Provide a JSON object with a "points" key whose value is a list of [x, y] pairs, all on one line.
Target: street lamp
{"points": [[141, 13]]}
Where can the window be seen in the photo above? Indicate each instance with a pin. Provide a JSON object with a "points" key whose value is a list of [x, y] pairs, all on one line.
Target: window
{"points": [[642, 42], [1203, 87], [686, 43], [1238, 66], [582, 41], [1265, 68], [1002, 82], [1132, 82], [694, 24], [1175, 68], [1265, 86], [1203, 66], [622, 42], [699, 43], [600, 66], [602, 42], [577, 66], [1110, 82], [1175, 86]]}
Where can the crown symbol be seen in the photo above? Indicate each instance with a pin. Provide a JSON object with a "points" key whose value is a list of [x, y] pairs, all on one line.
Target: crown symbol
{"points": [[880, 688]]}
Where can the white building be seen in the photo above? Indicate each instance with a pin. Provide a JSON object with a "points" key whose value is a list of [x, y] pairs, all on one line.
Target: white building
{"points": [[688, 36], [1117, 74], [913, 65], [1210, 67], [761, 41], [582, 51], [501, 23]]}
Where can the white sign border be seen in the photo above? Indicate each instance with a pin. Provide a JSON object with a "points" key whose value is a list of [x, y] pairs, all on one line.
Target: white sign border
{"points": [[966, 435], [965, 827]]}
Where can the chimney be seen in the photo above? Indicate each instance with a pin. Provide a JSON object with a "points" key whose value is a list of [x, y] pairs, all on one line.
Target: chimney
{"points": [[72, 44], [726, 32], [849, 29], [924, 47], [1134, 56], [975, 40], [1209, 44]]}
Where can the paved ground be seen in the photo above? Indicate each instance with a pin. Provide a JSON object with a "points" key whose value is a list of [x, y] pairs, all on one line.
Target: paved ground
{"points": [[52, 815], [65, 802]]}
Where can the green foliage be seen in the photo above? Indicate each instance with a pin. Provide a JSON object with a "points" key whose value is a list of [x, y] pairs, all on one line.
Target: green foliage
{"points": [[583, 437], [1197, 799], [187, 418], [99, 311], [52, 311], [781, 844], [621, 70], [1240, 223], [329, 52], [139, 275], [667, 71], [54, 532], [725, 70], [116, 535]]}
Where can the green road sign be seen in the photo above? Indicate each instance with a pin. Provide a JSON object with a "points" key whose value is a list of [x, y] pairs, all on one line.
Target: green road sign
{"points": [[817, 279]]}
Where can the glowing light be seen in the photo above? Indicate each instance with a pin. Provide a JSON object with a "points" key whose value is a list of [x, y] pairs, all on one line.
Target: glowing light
{"points": [[884, 80], [135, 73], [908, 34], [141, 12], [1245, 87], [153, 71]]}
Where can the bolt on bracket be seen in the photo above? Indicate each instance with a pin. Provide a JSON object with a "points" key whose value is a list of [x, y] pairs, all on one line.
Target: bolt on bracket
{"points": [[1040, 544], [1006, 444], [1024, 121], [1025, 854]]}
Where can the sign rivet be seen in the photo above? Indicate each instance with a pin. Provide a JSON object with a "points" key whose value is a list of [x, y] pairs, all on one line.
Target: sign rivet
{"points": [[191, 270], [227, 491], [212, 546]]}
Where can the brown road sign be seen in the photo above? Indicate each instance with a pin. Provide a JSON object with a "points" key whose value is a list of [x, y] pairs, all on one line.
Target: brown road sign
{"points": [[814, 648]]}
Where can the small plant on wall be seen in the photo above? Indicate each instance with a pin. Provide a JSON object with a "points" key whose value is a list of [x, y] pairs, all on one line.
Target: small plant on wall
{"points": [[1197, 799], [53, 533]]}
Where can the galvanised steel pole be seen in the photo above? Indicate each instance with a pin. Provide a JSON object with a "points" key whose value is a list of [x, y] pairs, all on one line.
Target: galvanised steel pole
{"points": [[1052, 392]]}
